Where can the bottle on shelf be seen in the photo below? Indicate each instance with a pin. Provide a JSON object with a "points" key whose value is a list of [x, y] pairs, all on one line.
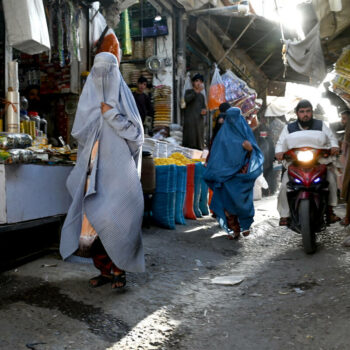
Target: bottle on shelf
{"points": [[34, 116], [43, 126]]}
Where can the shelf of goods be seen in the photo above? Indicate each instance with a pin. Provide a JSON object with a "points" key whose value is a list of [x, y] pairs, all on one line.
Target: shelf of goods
{"points": [[341, 81], [127, 69], [162, 106], [132, 72], [141, 50], [32, 179]]}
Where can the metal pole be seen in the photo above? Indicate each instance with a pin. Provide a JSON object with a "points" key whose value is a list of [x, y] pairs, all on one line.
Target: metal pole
{"points": [[265, 60], [226, 10], [236, 41]]}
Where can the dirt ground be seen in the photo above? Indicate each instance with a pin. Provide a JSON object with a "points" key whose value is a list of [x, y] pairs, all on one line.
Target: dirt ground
{"points": [[287, 299]]}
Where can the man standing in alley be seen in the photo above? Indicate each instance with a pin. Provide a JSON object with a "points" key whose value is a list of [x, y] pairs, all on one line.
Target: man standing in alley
{"points": [[195, 112], [143, 101]]}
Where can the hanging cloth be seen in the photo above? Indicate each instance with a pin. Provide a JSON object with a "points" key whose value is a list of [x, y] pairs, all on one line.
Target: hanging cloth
{"points": [[306, 56]]}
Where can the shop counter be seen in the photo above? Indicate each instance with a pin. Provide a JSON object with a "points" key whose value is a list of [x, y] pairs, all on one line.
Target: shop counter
{"points": [[32, 192]]}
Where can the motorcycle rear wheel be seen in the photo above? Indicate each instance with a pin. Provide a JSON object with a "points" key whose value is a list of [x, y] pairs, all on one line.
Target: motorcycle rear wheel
{"points": [[306, 230]]}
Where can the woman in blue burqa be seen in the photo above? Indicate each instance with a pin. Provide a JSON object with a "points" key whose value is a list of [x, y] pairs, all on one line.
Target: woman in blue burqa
{"points": [[234, 164], [105, 217]]}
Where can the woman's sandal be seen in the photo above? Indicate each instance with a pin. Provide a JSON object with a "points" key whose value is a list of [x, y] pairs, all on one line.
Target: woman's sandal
{"points": [[345, 222], [235, 235], [246, 233], [119, 281], [100, 280]]}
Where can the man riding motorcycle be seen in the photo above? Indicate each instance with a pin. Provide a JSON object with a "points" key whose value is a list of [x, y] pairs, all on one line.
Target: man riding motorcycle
{"points": [[304, 112]]}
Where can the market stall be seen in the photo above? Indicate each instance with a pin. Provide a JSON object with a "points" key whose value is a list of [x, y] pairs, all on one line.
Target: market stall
{"points": [[341, 81], [180, 192], [145, 39], [31, 191], [39, 96]]}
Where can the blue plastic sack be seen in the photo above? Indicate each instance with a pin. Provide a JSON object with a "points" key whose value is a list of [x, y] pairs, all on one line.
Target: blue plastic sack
{"points": [[163, 204], [197, 189], [180, 195], [204, 198]]}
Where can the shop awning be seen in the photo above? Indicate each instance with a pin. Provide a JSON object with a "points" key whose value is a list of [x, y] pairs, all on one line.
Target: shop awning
{"points": [[258, 38]]}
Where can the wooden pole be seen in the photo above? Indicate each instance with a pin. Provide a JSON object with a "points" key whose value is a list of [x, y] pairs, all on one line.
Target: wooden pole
{"points": [[236, 41]]}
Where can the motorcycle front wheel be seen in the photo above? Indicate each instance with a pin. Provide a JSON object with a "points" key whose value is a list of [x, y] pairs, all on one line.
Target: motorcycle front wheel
{"points": [[306, 230]]}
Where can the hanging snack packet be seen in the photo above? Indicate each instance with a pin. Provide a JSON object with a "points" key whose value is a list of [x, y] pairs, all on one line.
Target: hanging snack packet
{"points": [[104, 38], [216, 91], [234, 87], [187, 86]]}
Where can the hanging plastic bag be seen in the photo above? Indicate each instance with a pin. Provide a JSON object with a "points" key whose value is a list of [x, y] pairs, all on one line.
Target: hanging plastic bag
{"points": [[26, 26], [247, 105], [216, 91], [103, 38], [235, 88], [203, 92], [187, 86]]}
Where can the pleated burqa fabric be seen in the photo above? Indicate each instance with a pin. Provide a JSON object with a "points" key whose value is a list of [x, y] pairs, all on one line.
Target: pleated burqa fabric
{"points": [[113, 201], [232, 189]]}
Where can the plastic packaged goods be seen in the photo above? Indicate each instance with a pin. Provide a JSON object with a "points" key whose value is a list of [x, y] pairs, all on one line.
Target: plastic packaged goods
{"points": [[21, 156], [341, 80], [26, 141], [12, 112], [342, 65], [12, 141], [13, 83], [335, 5], [248, 105], [260, 183], [216, 91], [26, 25], [187, 86], [235, 88], [103, 39]]}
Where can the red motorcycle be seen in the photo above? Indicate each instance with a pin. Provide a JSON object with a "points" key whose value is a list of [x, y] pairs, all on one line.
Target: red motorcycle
{"points": [[307, 193]]}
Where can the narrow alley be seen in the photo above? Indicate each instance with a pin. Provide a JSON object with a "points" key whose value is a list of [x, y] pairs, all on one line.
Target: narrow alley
{"points": [[286, 299]]}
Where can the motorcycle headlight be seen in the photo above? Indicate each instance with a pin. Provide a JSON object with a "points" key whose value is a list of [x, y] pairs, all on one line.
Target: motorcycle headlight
{"points": [[305, 156], [317, 180]]}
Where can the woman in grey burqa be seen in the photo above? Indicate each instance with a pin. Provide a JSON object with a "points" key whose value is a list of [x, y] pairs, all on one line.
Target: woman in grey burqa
{"points": [[105, 217]]}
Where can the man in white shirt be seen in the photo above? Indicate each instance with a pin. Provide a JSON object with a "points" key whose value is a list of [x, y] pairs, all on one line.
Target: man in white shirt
{"points": [[305, 121]]}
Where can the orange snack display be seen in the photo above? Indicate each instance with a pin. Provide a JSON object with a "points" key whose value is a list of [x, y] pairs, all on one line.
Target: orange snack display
{"points": [[216, 96]]}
